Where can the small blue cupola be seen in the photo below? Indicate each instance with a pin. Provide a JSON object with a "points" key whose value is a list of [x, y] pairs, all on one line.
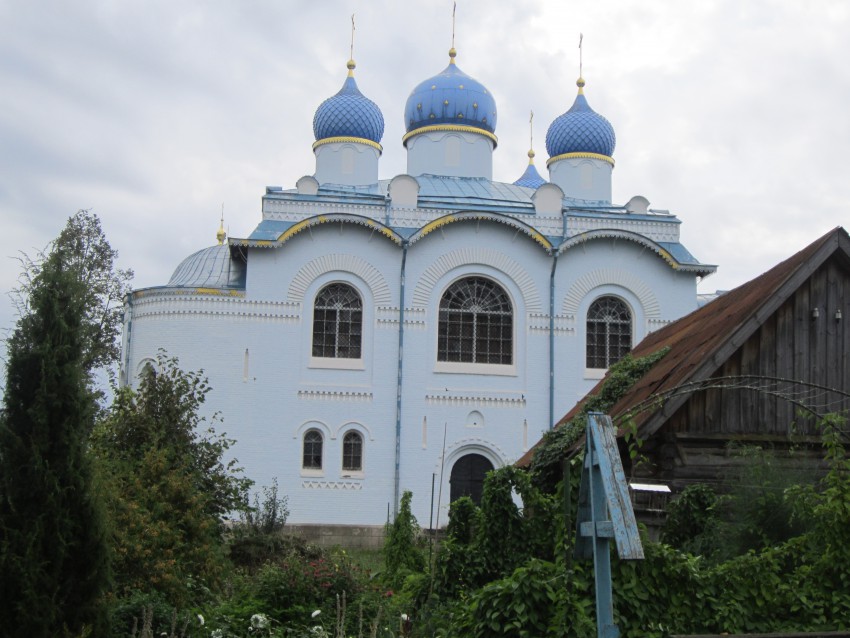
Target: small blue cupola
{"points": [[581, 145], [348, 128], [450, 121], [530, 178]]}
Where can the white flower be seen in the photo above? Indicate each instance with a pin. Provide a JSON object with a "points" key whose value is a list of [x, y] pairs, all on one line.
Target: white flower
{"points": [[201, 620], [405, 618], [259, 621], [217, 633], [315, 613]]}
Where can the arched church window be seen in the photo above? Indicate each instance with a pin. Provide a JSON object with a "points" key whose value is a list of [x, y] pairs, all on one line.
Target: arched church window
{"points": [[476, 323], [352, 452], [609, 332], [312, 458], [337, 322]]}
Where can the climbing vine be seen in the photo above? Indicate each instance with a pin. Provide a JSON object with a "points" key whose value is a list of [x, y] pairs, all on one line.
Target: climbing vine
{"points": [[546, 463]]}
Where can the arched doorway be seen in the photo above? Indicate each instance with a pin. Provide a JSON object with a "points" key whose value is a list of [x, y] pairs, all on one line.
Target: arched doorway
{"points": [[467, 477]]}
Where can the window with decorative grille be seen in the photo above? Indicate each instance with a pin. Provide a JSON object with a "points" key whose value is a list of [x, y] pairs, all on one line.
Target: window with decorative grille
{"points": [[312, 459], [337, 322], [352, 452], [609, 332], [476, 323]]}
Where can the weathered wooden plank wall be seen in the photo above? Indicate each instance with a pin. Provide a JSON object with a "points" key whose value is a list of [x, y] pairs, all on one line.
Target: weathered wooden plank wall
{"points": [[793, 344]]}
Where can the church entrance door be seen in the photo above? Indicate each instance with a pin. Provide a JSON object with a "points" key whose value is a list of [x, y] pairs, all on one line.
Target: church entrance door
{"points": [[467, 477]]}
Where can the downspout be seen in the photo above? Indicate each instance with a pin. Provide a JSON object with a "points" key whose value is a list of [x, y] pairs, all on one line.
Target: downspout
{"points": [[552, 341], [399, 381], [126, 374]]}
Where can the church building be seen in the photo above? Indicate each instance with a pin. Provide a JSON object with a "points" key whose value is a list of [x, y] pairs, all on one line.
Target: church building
{"points": [[372, 335]]}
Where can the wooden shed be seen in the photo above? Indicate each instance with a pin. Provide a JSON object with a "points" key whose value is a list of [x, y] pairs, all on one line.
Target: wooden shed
{"points": [[754, 366]]}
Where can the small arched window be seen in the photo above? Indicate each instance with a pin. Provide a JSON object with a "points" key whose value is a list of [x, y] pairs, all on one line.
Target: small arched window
{"points": [[609, 332], [476, 323], [337, 322], [312, 458], [352, 452]]}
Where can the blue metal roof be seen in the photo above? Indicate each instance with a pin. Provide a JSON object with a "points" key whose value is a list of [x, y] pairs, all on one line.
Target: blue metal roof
{"points": [[530, 178], [580, 130], [349, 113], [679, 252], [211, 267], [450, 97], [270, 230], [467, 195]]}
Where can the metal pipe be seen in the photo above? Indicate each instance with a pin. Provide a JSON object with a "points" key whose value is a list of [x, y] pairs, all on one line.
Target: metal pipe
{"points": [[552, 341], [397, 482]]}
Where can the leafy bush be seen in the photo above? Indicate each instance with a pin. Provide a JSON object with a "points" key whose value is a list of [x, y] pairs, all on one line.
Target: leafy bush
{"points": [[489, 542], [401, 545], [257, 537], [692, 520]]}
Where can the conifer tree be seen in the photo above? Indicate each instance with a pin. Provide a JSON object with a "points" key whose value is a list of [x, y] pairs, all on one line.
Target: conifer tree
{"points": [[53, 552]]}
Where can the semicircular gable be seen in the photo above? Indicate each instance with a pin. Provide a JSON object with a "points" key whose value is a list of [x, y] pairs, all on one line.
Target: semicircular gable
{"points": [[485, 256], [304, 224], [610, 233], [512, 222], [611, 277], [310, 271]]}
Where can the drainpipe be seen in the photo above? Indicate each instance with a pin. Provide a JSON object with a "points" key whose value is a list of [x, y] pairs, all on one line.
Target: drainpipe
{"points": [[552, 341], [126, 375], [399, 381]]}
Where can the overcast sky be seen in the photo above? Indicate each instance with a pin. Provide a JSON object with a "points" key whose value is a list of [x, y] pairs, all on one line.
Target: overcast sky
{"points": [[734, 115]]}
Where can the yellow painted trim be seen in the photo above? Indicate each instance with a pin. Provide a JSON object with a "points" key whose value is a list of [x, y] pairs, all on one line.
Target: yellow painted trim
{"points": [[597, 156], [540, 239], [217, 291], [448, 219], [300, 226], [344, 139], [456, 128], [437, 223], [386, 232]]}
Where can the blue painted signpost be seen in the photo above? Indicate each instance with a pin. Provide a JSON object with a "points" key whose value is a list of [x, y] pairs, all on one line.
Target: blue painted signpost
{"points": [[604, 512]]}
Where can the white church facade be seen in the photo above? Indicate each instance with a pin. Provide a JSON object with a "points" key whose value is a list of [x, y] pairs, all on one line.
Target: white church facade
{"points": [[372, 336]]}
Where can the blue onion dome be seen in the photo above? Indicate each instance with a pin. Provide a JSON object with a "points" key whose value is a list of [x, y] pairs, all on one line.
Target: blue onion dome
{"points": [[450, 100], [348, 116], [530, 178], [211, 267], [581, 131]]}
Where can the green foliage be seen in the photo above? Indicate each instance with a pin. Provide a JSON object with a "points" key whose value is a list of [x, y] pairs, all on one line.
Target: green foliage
{"points": [[53, 553], [526, 604], [463, 521], [662, 594], [546, 463], [401, 545], [90, 260], [258, 536], [287, 591], [762, 506], [295, 587], [795, 584], [500, 536], [169, 485], [692, 519]]}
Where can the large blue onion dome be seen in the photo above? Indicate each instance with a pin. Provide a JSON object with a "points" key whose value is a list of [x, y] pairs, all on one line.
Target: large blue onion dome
{"points": [[530, 178], [451, 100], [581, 130], [348, 116]]}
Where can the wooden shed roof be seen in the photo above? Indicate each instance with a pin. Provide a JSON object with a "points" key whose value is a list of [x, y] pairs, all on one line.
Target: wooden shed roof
{"points": [[703, 340]]}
